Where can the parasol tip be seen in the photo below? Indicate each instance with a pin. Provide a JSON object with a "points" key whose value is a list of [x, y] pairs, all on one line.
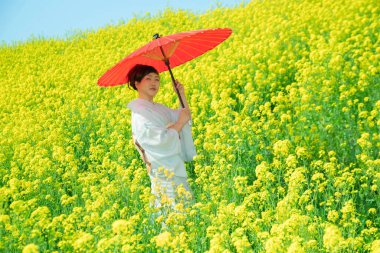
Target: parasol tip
{"points": [[156, 36]]}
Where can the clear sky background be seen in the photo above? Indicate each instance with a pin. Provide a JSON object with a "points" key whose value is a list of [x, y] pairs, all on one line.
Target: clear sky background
{"points": [[21, 19]]}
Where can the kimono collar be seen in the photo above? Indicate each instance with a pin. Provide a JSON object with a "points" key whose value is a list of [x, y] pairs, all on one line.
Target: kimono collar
{"points": [[140, 104], [152, 111]]}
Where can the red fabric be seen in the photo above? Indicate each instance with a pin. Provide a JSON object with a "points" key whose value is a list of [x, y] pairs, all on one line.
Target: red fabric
{"points": [[179, 48]]}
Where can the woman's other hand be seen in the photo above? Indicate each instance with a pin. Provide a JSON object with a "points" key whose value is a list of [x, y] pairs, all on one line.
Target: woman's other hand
{"points": [[184, 117]]}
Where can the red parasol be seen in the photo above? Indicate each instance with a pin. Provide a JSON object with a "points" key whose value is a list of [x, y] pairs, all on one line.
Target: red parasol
{"points": [[164, 53]]}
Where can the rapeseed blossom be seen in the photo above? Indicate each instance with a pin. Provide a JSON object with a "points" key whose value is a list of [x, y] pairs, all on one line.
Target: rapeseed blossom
{"points": [[30, 248], [286, 118], [332, 238]]}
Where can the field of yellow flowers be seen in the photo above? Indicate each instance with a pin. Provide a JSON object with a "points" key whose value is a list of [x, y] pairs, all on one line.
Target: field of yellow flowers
{"points": [[286, 122]]}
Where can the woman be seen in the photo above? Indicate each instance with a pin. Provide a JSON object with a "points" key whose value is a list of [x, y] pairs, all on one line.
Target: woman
{"points": [[161, 135]]}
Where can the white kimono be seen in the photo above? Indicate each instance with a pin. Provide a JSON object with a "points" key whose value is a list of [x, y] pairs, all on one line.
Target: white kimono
{"points": [[158, 145]]}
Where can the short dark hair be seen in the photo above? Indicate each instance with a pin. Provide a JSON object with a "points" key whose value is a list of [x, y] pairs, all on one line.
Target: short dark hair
{"points": [[137, 73]]}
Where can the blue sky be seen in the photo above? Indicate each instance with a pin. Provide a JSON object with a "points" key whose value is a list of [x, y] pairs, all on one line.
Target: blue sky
{"points": [[20, 19]]}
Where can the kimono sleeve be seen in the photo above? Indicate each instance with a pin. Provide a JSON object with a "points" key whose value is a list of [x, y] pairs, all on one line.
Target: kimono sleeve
{"points": [[159, 142]]}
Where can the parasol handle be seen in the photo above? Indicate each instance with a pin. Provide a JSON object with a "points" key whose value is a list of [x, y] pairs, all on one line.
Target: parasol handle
{"points": [[167, 63], [173, 81]]}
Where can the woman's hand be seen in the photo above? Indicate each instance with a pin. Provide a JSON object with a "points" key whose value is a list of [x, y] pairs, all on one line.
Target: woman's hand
{"points": [[180, 88], [184, 117]]}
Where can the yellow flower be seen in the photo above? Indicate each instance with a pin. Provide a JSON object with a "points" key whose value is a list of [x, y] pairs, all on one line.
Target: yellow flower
{"points": [[333, 216], [364, 142], [120, 226], [182, 192], [301, 152], [259, 157], [30, 248], [332, 238], [163, 240], [318, 177], [281, 148], [309, 208], [348, 210], [311, 244], [296, 247], [273, 245], [372, 211], [168, 174], [5, 219], [83, 242], [375, 246], [291, 161], [240, 184], [240, 240]]}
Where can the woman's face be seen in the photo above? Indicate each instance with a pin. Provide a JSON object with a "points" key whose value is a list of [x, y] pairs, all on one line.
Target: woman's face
{"points": [[149, 86]]}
